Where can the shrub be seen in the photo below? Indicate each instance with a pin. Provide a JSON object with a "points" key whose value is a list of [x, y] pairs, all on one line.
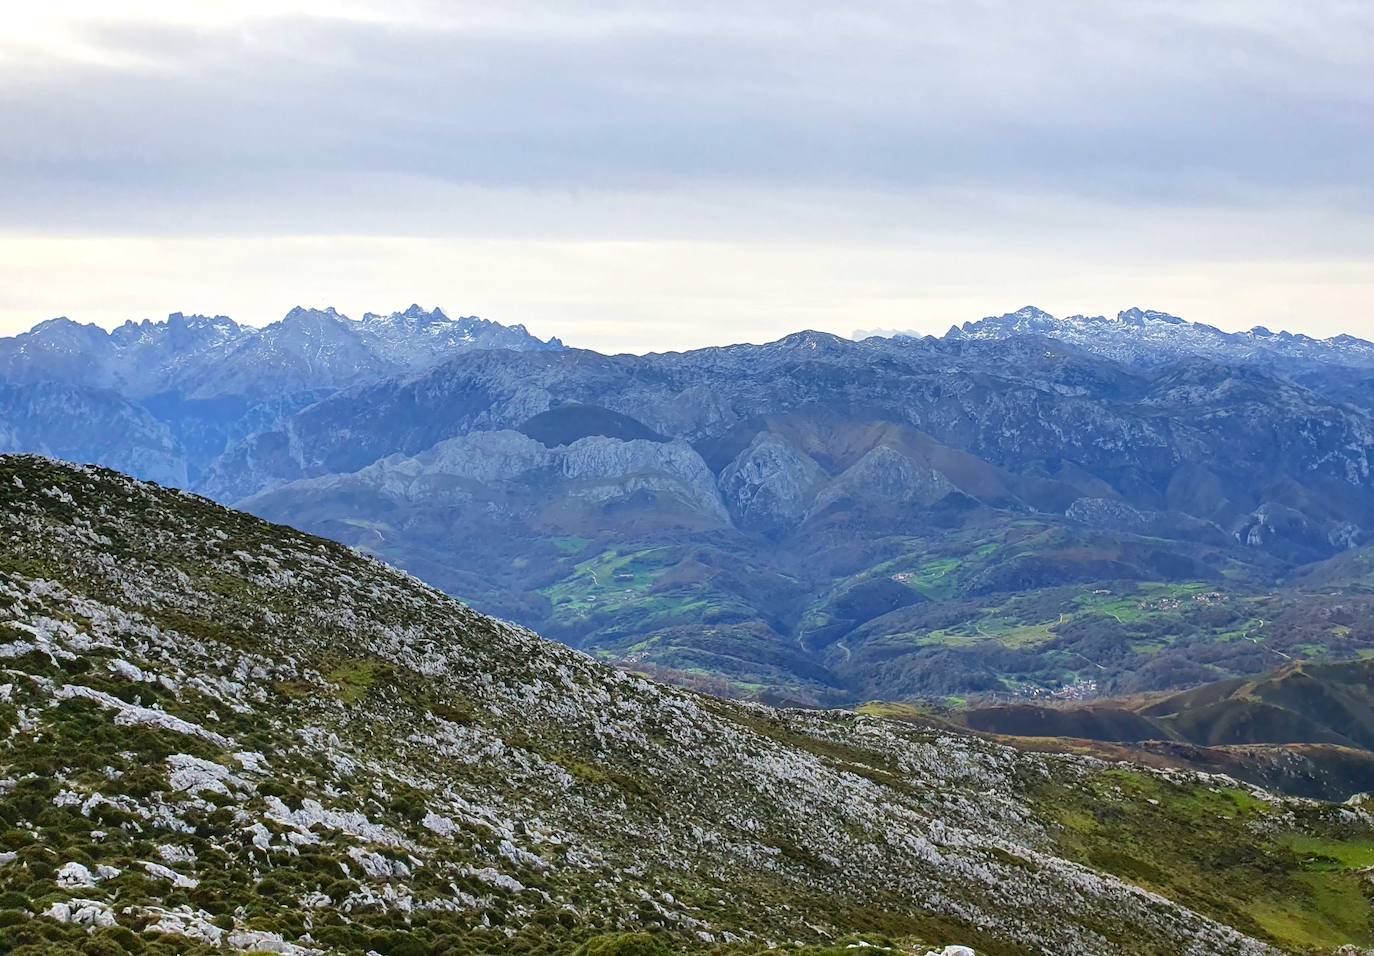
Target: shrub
{"points": [[124, 939], [622, 944], [102, 946]]}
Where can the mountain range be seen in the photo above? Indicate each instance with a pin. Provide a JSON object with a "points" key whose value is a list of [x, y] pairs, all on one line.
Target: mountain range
{"points": [[185, 389], [1026, 507], [1147, 337], [224, 734]]}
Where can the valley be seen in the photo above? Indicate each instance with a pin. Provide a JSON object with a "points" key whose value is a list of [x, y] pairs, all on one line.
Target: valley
{"points": [[1027, 508]]}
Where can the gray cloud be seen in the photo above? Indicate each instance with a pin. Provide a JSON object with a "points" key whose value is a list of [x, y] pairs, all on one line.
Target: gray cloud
{"points": [[763, 164], [1125, 102]]}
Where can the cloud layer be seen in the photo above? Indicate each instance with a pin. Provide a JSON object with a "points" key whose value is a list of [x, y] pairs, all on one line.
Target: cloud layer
{"points": [[1128, 139]]}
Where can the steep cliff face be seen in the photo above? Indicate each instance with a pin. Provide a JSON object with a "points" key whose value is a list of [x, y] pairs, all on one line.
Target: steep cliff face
{"points": [[770, 485], [886, 478], [528, 476], [246, 737]]}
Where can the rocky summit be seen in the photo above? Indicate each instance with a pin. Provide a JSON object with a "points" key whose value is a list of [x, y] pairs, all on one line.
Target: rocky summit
{"points": [[223, 734]]}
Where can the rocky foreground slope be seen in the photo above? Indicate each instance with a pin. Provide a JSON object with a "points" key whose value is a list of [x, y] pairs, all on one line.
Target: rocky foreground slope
{"points": [[217, 732]]}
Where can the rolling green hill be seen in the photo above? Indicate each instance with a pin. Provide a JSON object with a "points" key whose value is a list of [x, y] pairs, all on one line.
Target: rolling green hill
{"points": [[1307, 727]]}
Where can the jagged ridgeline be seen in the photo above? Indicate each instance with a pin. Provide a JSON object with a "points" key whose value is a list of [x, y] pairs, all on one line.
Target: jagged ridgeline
{"points": [[219, 732]]}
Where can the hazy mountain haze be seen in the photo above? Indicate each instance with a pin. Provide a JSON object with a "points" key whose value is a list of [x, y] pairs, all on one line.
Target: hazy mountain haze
{"points": [[684, 478]]}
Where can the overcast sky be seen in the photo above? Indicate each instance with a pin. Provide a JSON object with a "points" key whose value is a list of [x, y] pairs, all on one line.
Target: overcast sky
{"points": [[653, 176]]}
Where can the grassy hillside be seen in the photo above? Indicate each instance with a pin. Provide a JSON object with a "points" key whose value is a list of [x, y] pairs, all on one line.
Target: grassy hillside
{"points": [[1306, 727], [220, 731]]}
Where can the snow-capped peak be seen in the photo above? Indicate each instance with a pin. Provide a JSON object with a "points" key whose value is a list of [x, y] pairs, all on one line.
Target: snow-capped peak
{"points": [[413, 317], [307, 350], [302, 314], [1147, 337], [1138, 316]]}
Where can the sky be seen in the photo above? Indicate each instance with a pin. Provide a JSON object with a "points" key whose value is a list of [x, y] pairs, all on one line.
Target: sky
{"points": [[651, 176]]}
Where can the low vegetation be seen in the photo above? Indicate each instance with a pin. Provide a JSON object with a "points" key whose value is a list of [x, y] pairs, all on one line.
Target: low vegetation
{"points": [[220, 733]]}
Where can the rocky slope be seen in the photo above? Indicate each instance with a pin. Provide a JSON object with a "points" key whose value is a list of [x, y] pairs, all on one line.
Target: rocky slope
{"points": [[225, 733]]}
